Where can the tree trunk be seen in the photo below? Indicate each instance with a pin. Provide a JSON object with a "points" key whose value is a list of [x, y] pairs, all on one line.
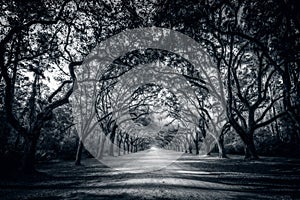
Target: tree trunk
{"points": [[111, 149], [124, 147], [190, 149], [79, 153], [276, 125], [131, 147], [185, 147], [119, 141], [128, 146], [112, 139], [250, 150], [197, 147], [5, 132], [207, 146], [17, 140], [119, 146], [101, 147], [220, 143], [28, 160]]}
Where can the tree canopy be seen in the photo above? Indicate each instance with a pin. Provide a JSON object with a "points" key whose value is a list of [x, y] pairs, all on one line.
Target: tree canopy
{"points": [[246, 87]]}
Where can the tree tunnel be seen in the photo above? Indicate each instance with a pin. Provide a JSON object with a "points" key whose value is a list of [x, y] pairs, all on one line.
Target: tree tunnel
{"points": [[143, 88], [164, 95]]}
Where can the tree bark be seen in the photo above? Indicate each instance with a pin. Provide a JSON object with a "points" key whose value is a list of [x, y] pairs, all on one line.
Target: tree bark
{"points": [[250, 150], [124, 147], [190, 148], [128, 147], [112, 139], [111, 149], [197, 147], [185, 146], [79, 153], [28, 160], [131, 147], [220, 143], [119, 146], [101, 148]]}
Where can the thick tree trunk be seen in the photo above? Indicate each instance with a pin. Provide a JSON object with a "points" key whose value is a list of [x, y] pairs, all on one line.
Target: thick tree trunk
{"points": [[4, 133], [220, 143], [197, 148], [287, 100], [131, 147], [250, 150], [28, 160], [79, 153], [190, 148], [196, 141]]}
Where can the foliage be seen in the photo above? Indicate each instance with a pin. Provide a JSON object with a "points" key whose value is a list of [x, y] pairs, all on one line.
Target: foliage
{"points": [[253, 82]]}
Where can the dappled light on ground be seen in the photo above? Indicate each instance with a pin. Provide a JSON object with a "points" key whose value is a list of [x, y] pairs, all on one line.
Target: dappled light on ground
{"points": [[189, 177], [144, 161]]}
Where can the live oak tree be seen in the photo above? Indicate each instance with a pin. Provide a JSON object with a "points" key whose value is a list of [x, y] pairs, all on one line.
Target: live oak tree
{"points": [[39, 36], [273, 32], [32, 45], [256, 103]]}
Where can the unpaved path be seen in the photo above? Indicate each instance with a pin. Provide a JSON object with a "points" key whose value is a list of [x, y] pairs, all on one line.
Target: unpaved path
{"points": [[156, 174]]}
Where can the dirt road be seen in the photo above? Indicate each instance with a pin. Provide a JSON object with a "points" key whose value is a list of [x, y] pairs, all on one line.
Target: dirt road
{"points": [[158, 174]]}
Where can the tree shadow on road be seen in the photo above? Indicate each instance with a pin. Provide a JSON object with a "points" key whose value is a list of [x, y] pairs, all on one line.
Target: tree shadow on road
{"points": [[190, 177]]}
